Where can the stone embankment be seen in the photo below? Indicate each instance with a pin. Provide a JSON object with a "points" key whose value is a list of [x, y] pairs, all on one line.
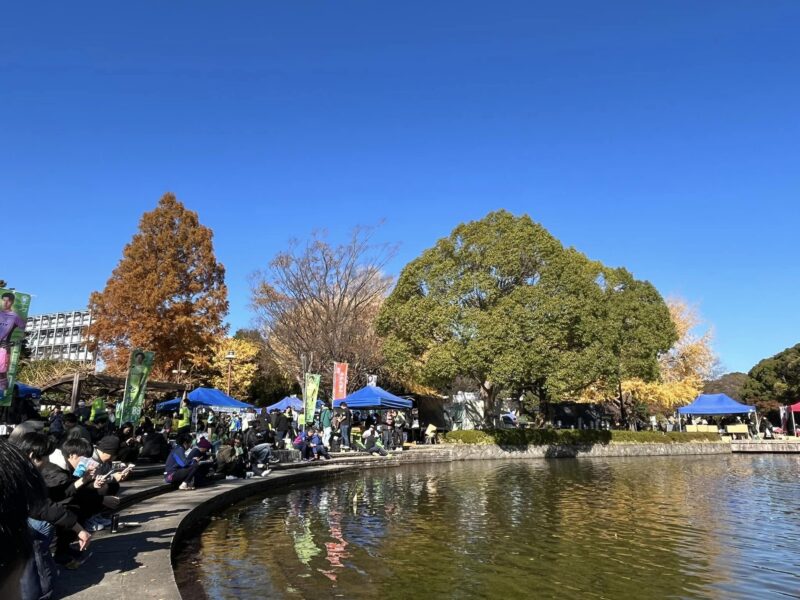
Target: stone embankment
{"points": [[766, 446]]}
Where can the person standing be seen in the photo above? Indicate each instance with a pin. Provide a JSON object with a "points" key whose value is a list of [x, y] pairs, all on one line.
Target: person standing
{"points": [[345, 422], [98, 410], [184, 424], [282, 427], [211, 422], [326, 422], [400, 427]]}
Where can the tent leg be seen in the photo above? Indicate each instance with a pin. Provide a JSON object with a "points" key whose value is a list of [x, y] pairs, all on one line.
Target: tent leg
{"points": [[758, 426]]}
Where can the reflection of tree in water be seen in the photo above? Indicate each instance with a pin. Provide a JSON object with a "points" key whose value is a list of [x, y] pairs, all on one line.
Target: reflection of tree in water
{"points": [[622, 528]]}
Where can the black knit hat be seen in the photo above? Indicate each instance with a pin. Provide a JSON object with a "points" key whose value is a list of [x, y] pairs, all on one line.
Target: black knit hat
{"points": [[109, 444]]}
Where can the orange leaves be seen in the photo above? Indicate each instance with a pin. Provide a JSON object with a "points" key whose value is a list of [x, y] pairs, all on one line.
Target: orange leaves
{"points": [[167, 293]]}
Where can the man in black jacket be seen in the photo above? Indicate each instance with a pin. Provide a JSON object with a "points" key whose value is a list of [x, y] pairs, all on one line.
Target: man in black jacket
{"points": [[18, 485], [80, 494], [43, 516]]}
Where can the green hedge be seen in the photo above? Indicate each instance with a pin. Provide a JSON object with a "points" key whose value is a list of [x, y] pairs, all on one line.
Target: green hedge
{"points": [[543, 437]]}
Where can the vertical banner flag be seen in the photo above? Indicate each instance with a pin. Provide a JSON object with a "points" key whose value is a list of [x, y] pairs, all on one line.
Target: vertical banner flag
{"points": [[138, 372], [13, 317], [312, 391], [339, 381]]}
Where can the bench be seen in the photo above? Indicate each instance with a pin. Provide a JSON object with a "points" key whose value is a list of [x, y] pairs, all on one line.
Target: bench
{"points": [[739, 429]]}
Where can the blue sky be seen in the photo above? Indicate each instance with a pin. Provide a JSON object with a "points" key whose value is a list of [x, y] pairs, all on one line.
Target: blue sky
{"points": [[659, 136]]}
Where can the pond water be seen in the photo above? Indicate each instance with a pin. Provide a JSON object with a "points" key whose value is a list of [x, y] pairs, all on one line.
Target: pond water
{"points": [[672, 527]]}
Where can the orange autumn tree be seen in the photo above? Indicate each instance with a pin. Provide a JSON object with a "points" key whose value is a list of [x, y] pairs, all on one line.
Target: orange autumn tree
{"points": [[167, 294]]}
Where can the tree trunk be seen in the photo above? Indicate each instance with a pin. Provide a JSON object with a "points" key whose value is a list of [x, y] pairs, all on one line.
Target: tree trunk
{"points": [[623, 417], [488, 395]]}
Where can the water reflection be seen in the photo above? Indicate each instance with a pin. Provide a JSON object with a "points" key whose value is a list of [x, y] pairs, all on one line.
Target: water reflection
{"points": [[691, 527]]}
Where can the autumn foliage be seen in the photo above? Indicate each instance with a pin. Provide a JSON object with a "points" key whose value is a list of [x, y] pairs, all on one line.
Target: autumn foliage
{"points": [[167, 294], [684, 368]]}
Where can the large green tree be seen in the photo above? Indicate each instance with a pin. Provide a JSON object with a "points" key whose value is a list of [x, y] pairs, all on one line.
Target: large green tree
{"points": [[501, 302], [167, 293], [775, 379]]}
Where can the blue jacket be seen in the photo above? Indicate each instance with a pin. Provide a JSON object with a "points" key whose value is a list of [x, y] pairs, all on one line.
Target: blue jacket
{"points": [[176, 460]]}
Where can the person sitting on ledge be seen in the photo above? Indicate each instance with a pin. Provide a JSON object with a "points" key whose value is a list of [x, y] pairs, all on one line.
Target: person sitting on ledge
{"points": [[261, 458], [230, 461], [180, 470], [370, 437], [317, 447], [129, 444], [104, 453], [302, 443]]}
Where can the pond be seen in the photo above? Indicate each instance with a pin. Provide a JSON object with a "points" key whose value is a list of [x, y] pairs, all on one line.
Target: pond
{"points": [[679, 527]]}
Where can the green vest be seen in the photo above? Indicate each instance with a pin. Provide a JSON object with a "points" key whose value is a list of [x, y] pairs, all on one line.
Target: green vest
{"points": [[98, 408], [186, 417]]}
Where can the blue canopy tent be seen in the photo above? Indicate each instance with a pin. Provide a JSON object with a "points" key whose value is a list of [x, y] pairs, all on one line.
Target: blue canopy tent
{"points": [[293, 401], [715, 404], [206, 397], [374, 397], [28, 391]]}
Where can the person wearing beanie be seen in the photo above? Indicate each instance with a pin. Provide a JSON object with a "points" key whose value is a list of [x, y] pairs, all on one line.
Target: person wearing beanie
{"points": [[104, 453], [202, 452], [187, 470]]}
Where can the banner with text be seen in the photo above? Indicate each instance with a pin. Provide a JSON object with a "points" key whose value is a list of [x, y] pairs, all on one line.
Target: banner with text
{"points": [[138, 373], [310, 401], [339, 381], [13, 317]]}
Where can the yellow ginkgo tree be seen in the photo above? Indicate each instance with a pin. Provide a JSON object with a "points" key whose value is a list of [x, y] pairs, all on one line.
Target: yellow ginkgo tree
{"points": [[243, 365], [686, 365]]}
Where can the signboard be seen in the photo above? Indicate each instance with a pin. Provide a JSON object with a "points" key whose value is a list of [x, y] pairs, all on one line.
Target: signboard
{"points": [[13, 316], [339, 381], [310, 400], [140, 366]]}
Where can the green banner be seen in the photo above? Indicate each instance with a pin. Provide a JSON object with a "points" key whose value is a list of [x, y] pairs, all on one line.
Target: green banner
{"points": [[13, 316], [136, 384], [310, 400]]}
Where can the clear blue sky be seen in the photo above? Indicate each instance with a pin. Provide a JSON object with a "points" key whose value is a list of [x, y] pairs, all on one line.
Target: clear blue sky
{"points": [[660, 136]]}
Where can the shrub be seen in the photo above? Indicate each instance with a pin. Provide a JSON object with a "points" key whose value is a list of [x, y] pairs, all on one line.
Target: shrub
{"points": [[469, 437], [572, 437]]}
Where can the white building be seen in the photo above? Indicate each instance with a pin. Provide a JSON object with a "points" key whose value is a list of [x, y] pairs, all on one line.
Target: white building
{"points": [[59, 336]]}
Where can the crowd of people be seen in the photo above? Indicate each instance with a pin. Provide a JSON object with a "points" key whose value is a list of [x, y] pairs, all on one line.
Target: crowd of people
{"points": [[77, 463]]}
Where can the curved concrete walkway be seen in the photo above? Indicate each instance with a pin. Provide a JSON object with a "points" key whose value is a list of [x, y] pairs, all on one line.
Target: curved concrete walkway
{"points": [[137, 562]]}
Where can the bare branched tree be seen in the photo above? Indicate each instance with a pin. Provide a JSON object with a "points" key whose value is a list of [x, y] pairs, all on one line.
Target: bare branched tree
{"points": [[321, 301]]}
